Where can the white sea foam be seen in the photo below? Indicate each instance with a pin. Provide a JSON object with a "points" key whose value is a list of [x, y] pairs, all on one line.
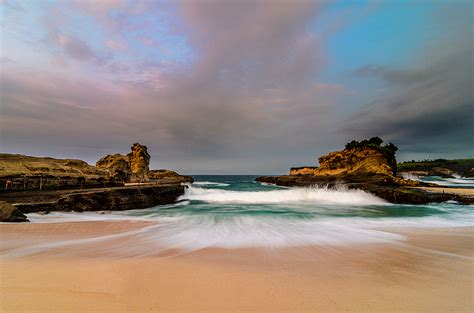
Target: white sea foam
{"points": [[456, 181], [210, 183], [237, 219], [311, 195]]}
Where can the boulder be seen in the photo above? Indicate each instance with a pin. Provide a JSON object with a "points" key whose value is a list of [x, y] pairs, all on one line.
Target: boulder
{"points": [[9, 213]]}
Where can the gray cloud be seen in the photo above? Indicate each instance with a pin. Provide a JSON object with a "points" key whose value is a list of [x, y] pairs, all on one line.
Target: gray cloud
{"points": [[249, 102], [251, 89], [429, 107]]}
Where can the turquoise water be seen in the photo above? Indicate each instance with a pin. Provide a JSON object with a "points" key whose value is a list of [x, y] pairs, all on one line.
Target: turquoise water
{"points": [[236, 211]]}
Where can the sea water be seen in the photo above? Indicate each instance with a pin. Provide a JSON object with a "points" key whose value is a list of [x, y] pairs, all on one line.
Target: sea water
{"points": [[238, 212]]}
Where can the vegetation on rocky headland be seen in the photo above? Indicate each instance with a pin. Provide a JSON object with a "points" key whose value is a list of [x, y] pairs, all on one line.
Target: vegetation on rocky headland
{"points": [[439, 167], [365, 165]]}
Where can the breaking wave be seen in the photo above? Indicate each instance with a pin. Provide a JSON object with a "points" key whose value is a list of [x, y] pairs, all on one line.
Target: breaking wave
{"points": [[210, 183], [304, 195]]}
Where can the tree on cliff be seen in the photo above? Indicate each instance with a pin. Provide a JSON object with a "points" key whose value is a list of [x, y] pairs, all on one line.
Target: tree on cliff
{"points": [[389, 150]]}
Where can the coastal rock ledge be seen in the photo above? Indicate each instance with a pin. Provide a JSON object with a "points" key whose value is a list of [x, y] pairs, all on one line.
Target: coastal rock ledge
{"points": [[117, 182], [367, 166]]}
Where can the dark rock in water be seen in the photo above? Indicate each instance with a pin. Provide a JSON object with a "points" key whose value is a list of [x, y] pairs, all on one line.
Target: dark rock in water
{"points": [[103, 199], [9, 213]]}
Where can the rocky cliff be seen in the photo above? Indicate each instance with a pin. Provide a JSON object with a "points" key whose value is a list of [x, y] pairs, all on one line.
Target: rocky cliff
{"points": [[365, 165], [354, 160], [28, 172], [349, 161], [117, 166]]}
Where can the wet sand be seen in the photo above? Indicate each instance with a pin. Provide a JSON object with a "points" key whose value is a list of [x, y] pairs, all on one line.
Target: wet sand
{"points": [[432, 271], [456, 191]]}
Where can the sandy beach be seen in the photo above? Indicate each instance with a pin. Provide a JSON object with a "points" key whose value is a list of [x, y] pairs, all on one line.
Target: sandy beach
{"points": [[431, 271], [456, 191]]}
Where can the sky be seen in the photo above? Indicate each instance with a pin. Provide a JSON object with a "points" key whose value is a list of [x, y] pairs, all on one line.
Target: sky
{"points": [[235, 86]]}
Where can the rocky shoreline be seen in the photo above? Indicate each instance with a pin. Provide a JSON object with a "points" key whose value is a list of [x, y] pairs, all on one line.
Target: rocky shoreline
{"points": [[117, 182], [382, 186], [97, 199], [368, 166]]}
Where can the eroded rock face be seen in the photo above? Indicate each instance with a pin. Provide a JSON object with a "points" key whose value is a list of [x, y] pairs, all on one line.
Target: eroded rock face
{"points": [[348, 161], [167, 175], [117, 165], [9, 213], [304, 170], [139, 163], [27, 172]]}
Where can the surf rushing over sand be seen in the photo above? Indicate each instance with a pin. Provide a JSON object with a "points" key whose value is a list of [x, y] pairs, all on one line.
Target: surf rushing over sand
{"points": [[235, 212]]}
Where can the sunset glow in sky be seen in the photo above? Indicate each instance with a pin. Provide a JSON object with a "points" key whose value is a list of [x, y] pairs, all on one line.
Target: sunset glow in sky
{"points": [[235, 86]]}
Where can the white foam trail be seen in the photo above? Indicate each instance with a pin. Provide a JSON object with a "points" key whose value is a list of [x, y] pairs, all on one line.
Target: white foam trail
{"points": [[210, 183], [304, 195]]}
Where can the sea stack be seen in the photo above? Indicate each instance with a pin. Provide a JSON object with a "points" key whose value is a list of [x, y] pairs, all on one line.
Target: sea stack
{"points": [[133, 167], [139, 163]]}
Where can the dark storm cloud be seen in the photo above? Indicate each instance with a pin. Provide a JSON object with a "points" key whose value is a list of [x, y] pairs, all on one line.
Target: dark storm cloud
{"points": [[430, 108]]}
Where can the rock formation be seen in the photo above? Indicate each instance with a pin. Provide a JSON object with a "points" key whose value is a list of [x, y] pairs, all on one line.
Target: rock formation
{"points": [[133, 167], [33, 184], [117, 165], [139, 161], [367, 166], [349, 161], [9, 213], [167, 175], [100, 199], [28, 172]]}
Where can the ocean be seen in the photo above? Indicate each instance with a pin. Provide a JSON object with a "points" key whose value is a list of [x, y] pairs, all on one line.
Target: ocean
{"points": [[237, 212]]}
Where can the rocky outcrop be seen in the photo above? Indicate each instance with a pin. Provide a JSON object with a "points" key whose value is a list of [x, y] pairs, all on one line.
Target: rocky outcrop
{"points": [[390, 188], [117, 166], [133, 167], [139, 163], [366, 166], [355, 160], [168, 176], [103, 199], [9, 213], [303, 170], [361, 159], [28, 172]]}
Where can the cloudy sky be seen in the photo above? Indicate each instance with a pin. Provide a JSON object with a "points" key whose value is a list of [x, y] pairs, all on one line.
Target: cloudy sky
{"points": [[235, 86]]}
